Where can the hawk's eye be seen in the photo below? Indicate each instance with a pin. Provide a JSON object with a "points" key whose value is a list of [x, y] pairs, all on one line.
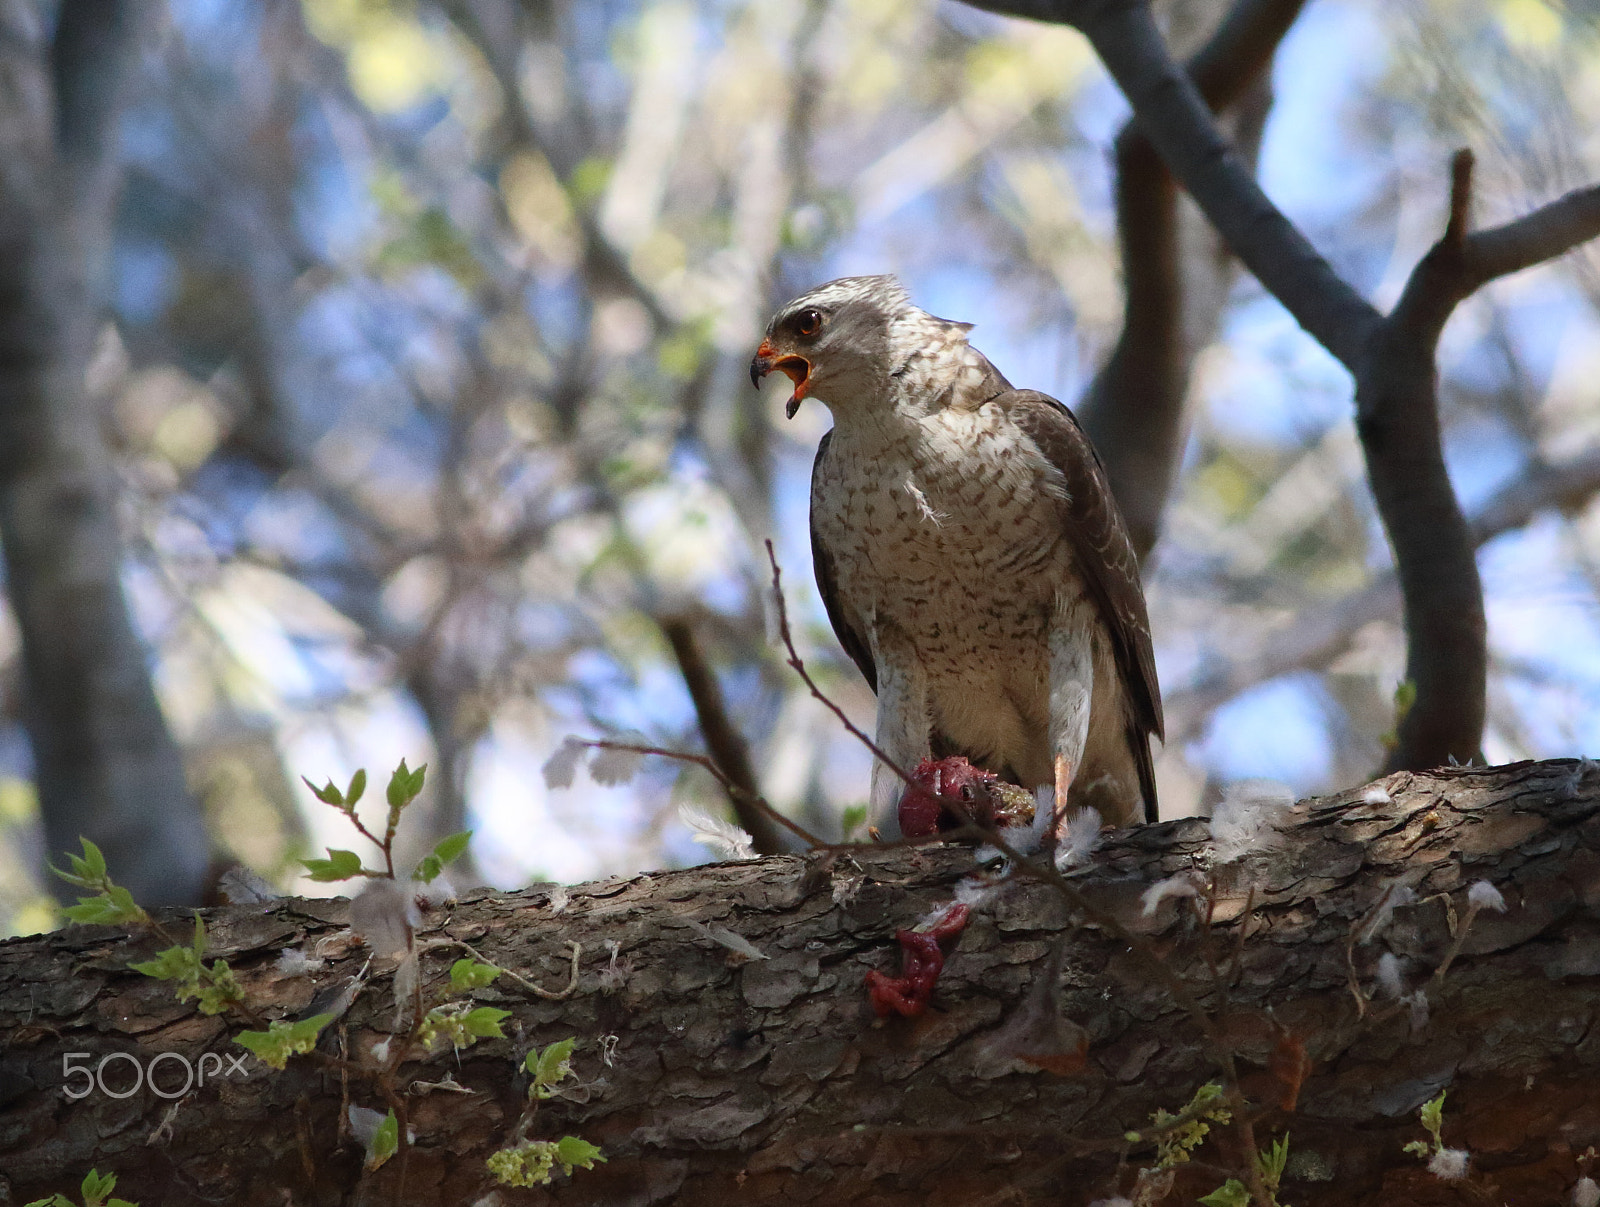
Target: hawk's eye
{"points": [[809, 322]]}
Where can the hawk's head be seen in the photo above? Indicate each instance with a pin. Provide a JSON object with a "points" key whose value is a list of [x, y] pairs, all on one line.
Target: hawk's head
{"points": [[837, 341]]}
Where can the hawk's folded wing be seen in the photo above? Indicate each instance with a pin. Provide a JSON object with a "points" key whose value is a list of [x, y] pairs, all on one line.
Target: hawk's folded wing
{"points": [[1093, 524], [847, 625]]}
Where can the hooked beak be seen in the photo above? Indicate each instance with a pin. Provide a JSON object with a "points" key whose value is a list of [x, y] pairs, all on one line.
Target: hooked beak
{"points": [[796, 368]]}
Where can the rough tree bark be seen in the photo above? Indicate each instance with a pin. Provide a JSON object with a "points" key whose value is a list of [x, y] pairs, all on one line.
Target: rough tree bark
{"points": [[102, 752], [711, 1080]]}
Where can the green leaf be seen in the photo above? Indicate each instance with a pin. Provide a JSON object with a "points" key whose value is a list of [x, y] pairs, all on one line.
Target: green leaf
{"points": [[467, 974], [1432, 1114], [453, 847], [1232, 1193], [282, 1039], [1418, 1148], [221, 990], [385, 1141], [484, 1022], [304, 1033], [90, 910], [358, 785], [55, 1200], [448, 849], [399, 792], [173, 964], [114, 906], [1272, 1160], [852, 819], [329, 795], [339, 865], [572, 1152], [550, 1067], [95, 863], [123, 905], [97, 1187]]}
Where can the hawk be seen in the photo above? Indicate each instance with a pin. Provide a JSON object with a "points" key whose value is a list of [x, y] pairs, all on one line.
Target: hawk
{"points": [[970, 556]]}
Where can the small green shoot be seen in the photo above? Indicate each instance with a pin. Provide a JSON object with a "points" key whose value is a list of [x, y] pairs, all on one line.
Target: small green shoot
{"points": [[460, 1026], [405, 785], [531, 1162], [549, 1068], [217, 987], [110, 903], [1270, 1163], [451, 848], [96, 1191], [385, 1141], [467, 974], [1204, 1109], [1432, 1117], [283, 1039]]}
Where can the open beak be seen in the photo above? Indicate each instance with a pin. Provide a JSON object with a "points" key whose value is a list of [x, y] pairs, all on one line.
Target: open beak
{"points": [[796, 368]]}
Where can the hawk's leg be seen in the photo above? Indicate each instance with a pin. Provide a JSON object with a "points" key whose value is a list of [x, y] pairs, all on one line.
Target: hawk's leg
{"points": [[903, 724], [1071, 692]]}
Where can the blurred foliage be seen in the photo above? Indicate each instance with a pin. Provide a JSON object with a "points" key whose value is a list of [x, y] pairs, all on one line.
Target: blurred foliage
{"points": [[426, 385]]}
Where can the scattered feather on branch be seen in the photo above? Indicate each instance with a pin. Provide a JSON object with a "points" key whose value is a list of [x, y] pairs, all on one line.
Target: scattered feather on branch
{"points": [[1247, 817], [1078, 839], [722, 838], [737, 944], [1483, 895]]}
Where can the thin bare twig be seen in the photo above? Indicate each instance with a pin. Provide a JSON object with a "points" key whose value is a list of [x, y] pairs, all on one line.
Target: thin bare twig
{"points": [[716, 773], [551, 995]]}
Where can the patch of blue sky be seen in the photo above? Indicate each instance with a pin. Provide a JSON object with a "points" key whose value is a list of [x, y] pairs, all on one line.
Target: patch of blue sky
{"points": [[16, 752], [1277, 385], [148, 134], [1309, 164], [1541, 610], [144, 280], [1276, 730], [221, 25], [333, 207], [1482, 455], [294, 523]]}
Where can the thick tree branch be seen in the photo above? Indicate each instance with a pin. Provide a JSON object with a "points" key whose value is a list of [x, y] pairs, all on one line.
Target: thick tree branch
{"points": [[1391, 358], [1134, 409], [1397, 416], [708, 1077], [1320, 634]]}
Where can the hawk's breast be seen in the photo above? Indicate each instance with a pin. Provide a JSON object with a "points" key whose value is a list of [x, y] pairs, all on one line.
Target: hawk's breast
{"points": [[947, 527]]}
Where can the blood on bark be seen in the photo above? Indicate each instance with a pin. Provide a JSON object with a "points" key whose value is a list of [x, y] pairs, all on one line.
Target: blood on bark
{"points": [[908, 993]]}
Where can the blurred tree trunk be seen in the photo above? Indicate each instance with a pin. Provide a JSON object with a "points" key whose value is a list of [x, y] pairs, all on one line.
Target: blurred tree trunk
{"points": [[709, 1078], [105, 765]]}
